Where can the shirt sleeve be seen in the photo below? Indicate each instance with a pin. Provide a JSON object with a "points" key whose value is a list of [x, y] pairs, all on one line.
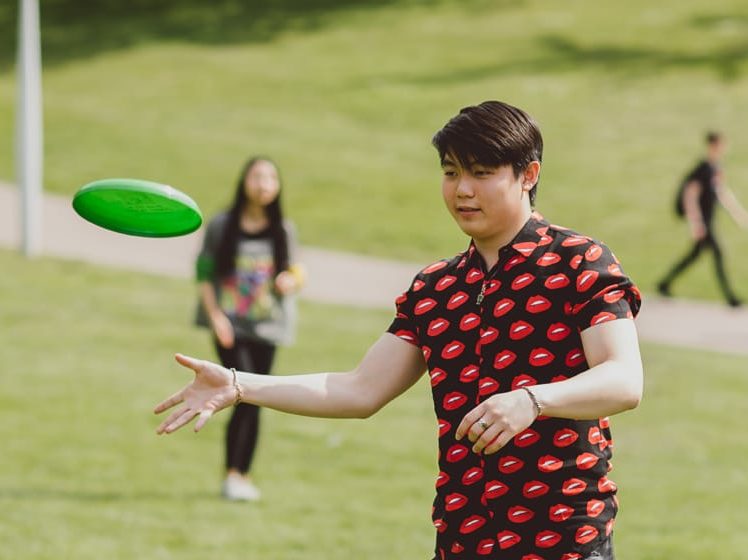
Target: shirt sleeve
{"points": [[701, 174], [205, 263], [404, 325], [291, 241], [603, 292]]}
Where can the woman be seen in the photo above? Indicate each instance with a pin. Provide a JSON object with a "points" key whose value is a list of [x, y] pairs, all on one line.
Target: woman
{"points": [[245, 281]]}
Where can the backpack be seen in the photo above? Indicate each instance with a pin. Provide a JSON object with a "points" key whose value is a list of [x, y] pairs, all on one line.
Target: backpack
{"points": [[701, 174]]}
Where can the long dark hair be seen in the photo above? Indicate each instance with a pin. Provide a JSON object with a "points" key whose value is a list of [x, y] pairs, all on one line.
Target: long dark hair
{"points": [[230, 239]]}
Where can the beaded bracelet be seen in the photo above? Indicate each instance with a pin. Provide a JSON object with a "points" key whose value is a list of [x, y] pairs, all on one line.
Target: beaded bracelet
{"points": [[534, 399]]}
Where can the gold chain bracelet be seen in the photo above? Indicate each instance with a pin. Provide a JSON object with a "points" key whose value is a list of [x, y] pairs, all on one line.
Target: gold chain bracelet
{"points": [[239, 395], [534, 399]]}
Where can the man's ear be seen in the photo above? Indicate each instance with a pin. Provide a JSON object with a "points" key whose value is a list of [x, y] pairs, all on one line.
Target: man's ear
{"points": [[530, 175]]}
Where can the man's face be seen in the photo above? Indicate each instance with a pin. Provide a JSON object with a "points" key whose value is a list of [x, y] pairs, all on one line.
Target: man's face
{"points": [[717, 149], [486, 202]]}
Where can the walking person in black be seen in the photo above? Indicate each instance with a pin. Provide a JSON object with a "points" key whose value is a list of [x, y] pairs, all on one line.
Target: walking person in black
{"points": [[702, 188]]}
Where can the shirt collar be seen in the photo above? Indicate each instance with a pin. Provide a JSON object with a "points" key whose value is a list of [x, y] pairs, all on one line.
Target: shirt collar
{"points": [[532, 235]]}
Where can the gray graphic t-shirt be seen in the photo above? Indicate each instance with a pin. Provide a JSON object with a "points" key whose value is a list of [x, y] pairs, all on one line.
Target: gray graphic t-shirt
{"points": [[248, 296]]}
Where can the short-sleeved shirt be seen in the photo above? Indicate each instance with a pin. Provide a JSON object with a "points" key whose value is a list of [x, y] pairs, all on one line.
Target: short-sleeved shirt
{"points": [[706, 174], [247, 296], [546, 495]]}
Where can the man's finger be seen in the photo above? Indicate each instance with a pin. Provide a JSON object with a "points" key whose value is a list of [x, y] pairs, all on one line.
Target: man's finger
{"points": [[186, 361], [176, 398], [205, 415], [185, 418], [172, 417], [470, 418], [500, 441], [488, 436], [476, 431]]}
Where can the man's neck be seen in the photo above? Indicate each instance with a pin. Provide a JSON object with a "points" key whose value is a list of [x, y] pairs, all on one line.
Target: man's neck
{"points": [[489, 248]]}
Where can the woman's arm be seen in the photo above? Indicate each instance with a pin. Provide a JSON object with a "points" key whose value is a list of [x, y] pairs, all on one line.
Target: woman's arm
{"points": [[292, 280], [220, 324]]}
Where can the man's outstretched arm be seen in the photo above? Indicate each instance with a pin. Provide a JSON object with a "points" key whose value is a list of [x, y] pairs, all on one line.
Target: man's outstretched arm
{"points": [[731, 203], [388, 369]]}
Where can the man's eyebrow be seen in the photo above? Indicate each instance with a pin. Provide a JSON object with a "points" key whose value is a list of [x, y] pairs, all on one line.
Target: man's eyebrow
{"points": [[447, 161]]}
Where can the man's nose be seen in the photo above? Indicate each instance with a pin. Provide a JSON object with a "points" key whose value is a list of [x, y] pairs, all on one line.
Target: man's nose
{"points": [[464, 187]]}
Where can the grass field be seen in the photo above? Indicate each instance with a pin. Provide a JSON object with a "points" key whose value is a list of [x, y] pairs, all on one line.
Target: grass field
{"points": [[86, 353], [346, 95]]}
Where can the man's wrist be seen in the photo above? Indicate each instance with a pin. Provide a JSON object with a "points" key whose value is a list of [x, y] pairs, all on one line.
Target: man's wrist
{"points": [[537, 406], [239, 395]]}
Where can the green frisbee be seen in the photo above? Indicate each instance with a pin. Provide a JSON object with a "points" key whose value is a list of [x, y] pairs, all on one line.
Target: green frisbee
{"points": [[137, 207]]}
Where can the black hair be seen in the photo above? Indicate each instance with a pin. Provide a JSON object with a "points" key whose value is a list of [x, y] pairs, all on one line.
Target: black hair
{"points": [[492, 134], [713, 137], [225, 262]]}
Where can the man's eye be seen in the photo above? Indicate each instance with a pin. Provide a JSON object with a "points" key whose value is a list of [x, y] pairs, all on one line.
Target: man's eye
{"points": [[448, 173]]}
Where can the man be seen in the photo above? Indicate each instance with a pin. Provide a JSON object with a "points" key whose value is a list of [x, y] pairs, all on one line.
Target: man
{"points": [[530, 345], [697, 197]]}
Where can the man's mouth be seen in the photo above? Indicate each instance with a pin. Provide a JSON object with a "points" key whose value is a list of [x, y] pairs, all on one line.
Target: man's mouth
{"points": [[467, 210]]}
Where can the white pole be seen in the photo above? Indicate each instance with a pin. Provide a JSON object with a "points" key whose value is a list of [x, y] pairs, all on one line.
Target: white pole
{"points": [[29, 140]]}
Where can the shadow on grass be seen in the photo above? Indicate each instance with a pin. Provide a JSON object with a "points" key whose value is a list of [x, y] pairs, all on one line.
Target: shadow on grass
{"points": [[75, 29], [563, 54], [717, 21]]}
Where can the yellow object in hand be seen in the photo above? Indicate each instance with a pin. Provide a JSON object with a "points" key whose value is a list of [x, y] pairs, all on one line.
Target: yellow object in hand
{"points": [[299, 274]]}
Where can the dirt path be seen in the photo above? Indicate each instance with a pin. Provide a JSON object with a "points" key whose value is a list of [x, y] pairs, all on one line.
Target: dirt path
{"points": [[336, 277]]}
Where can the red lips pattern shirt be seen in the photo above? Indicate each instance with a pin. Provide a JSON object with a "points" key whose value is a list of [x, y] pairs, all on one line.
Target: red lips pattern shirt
{"points": [[546, 495]]}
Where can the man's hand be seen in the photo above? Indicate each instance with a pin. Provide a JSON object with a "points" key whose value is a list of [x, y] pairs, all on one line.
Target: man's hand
{"points": [[212, 390], [698, 230], [495, 421]]}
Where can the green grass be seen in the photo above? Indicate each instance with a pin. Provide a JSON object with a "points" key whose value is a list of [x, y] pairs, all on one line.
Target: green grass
{"points": [[86, 353], [346, 95]]}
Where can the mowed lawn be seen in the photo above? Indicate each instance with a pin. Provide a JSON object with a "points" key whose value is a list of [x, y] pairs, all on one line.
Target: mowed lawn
{"points": [[346, 96], [86, 352]]}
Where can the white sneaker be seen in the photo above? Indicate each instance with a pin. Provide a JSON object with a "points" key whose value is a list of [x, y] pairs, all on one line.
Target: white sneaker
{"points": [[238, 488]]}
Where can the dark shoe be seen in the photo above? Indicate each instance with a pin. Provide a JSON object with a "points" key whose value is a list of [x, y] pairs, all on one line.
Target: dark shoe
{"points": [[664, 289], [732, 301]]}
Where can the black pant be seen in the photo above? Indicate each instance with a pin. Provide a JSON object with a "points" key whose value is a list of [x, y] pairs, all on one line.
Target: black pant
{"points": [[708, 242], [244, 425]]}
